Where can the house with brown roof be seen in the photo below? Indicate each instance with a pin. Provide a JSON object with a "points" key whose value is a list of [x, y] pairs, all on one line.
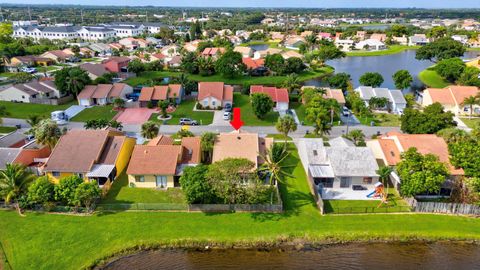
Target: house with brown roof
{"points": [[294, 42], [212, 52], [253, 64], [336, 94], [245, 51], [116, 63], [389, 147], [278, 95], [31, 154], [160, 163], [103, 94], [42, 92], [58, 56], [100, 155], [238, 144], [94, 70], [27, 60], [159, 93], [214, 94], [451, 98]]}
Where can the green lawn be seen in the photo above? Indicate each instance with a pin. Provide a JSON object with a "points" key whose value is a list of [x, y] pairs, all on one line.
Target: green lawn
{"points": [[471, 123], [381, 119], [395, 204], [7, 74], [4, 130], [393, 49], [431, 78], [185, 110], [122, 193], [95, 112], [24, 110], [279, 137], [248, 117], [300, 111], [146, 77], [48, 241]]}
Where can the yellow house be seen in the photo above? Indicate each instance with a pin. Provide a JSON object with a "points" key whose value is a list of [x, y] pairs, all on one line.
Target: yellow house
{"points": [[30, 60], [100, 155], [474, 63], [159, 164]]}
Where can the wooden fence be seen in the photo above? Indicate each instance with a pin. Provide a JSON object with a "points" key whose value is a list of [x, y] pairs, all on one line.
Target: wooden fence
{"points": [[211, 208], [446, 208]]}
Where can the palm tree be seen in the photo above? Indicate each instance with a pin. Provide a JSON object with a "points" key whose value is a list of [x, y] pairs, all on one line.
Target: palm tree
{"points": [[292, 82], [384, 174], [14, 182], [311, 40], [273, 159], [150, 130], [33, 120], [286, 125], [470, 102], [47, 133], [356, 135]]}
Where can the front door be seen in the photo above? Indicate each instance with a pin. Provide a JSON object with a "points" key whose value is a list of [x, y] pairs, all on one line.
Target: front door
{"points": [[345, 182], [161, 181]]}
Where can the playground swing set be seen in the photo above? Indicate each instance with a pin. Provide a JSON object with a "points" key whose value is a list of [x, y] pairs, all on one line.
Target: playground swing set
{"points": [[379, 192]]}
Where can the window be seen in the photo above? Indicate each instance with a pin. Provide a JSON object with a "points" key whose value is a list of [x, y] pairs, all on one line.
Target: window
{"points": [[213, 103], [56, 174], [140, 178], [161, 181], [79, 175], [367, 180]]}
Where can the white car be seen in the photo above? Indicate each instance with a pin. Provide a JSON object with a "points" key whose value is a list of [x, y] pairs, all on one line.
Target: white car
{"points": [[226, 116]]}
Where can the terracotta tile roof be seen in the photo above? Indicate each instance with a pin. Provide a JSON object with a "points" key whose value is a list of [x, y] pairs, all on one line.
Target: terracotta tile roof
{"points": [[243, 50], [116, 90], [154, 160], [239, 145], [146, 94], [217, 90], [277, 94], [212, 51], [161, 140], [191, 150], [461, 92], [336, 94], [442, 96], [102, 91], [394, 143], [160, 91], [77, 151], [251, 63], [87, 92], [58, 53]]}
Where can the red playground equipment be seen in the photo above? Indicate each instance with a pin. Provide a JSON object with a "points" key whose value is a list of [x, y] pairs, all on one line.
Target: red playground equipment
{"points": [[379, 192]]}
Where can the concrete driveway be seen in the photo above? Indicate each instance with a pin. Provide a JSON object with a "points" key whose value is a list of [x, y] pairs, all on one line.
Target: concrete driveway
{"points": [[218, 120], [133, 116]]}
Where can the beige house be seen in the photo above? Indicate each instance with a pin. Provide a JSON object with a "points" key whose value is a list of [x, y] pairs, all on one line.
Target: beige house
{"points": [[214, 94], [32, 92], [159, 164], [451, 98], [245, 51]]}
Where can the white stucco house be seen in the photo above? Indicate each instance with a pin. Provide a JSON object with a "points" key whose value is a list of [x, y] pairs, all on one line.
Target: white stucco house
{"points": [[214, 94], [397, 102]]}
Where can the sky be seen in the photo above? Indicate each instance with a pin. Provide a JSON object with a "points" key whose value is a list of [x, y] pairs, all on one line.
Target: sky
{"points": [[269, 3]]}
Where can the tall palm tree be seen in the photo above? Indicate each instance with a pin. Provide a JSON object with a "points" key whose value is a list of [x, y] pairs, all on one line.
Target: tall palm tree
{"points": [[47, 133], [311, 41], [470, 102], [286, 125], [150, 130], [14, 182], [206, 143], [33, 121]]}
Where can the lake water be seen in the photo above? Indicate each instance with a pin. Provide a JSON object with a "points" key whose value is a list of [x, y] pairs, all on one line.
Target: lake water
{"points": [[386, 65], [437, 256]]}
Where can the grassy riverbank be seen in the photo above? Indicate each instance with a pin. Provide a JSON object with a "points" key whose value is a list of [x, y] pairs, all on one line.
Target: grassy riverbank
{"points": [[393, 49], [431, 78], [47, 241]]}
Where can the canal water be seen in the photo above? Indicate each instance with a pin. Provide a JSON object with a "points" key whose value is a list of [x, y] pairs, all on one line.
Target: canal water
{"points": [[436, 256], [386, 65]]}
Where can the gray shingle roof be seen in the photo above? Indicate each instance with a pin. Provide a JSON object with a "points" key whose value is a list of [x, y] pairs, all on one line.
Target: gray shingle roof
{"points": [[397, 97], [7, 156]]}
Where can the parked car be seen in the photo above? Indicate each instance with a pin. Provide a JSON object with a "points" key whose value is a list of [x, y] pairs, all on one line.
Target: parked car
{"points": [[226, 116], [345, 111], [28, 70], [228, 107], [74, 59], [188, 121]]}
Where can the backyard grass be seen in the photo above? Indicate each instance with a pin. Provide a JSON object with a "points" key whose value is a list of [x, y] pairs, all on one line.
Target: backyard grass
{"points": [[300, 111], [431, 78], [381, 120], [24, 110], [48, 241], [121, 193], [395, 204], [185, 110], [279, 137], [96, 112], [471, 122], [248, 117], [4, 130], [148, 76], [393, 49]]}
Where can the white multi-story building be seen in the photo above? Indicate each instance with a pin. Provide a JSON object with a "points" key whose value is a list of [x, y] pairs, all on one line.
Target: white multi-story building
{"points": [[96, 33]]}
